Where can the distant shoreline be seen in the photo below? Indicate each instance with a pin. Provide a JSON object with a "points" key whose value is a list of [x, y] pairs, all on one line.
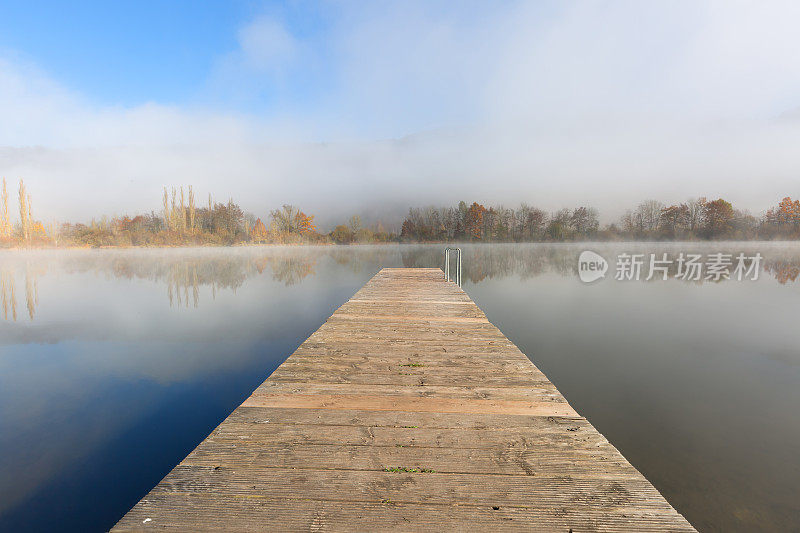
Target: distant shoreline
{"points": [[406, 243]]}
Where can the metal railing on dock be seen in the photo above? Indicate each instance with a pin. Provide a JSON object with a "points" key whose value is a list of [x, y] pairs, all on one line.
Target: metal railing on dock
{"points": [[457, 278]]}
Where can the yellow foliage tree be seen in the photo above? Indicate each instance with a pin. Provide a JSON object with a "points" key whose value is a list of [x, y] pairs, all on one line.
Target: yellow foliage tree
{"points": [[24, 211], [5, 222], [258, 233]]}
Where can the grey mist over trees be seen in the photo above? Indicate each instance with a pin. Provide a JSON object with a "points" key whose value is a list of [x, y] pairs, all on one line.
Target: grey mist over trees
{"points": [[182, 222], [697, 218]]}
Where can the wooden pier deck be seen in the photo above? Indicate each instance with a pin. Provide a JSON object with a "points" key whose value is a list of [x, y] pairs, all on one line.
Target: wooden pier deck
{"points": [[406, 410]]}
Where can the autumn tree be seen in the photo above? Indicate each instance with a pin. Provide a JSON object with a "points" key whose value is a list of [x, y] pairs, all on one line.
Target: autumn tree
{"points": [[674, 218], [473, 223], [24, 212], [476, 222], [5, 221], [789, 211], [717, 217], [407, 230], [342, 234], [258, 233], [305, 223], [32, 229], [782, 220], [289, 220]]}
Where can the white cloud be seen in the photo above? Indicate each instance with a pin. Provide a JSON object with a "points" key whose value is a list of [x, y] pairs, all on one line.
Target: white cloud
{"points": [[266, 45]]}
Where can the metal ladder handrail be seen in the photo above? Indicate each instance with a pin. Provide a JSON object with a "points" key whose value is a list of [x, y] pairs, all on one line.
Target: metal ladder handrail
{"points": [[447, 251]]}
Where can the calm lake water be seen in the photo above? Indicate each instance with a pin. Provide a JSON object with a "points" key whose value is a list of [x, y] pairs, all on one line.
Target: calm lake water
{"points": [[115, 364]]}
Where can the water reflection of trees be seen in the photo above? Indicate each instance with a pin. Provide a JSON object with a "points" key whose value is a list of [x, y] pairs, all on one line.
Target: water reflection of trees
{"points": [[783, 271], [482, 262], [9, 289], [9, 297], [185, 273]]}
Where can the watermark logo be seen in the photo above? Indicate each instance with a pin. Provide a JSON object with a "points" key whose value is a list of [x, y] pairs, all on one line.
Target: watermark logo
{"points": [[591, 266]]}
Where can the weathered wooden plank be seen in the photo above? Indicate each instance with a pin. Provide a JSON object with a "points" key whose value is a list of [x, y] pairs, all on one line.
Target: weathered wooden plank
{"points": [[388, 403], [535, 391], [192, 512], [401, 419], [406, 410], [532, 462], [276, 433], [401, 376], [432, 488]]}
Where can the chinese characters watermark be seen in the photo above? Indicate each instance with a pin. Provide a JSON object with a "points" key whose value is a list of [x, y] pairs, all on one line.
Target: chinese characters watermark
{"points": [[685, 266]]}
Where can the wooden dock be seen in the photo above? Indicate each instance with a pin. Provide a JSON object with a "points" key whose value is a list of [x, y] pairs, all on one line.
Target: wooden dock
{"points": [[406, 410]]}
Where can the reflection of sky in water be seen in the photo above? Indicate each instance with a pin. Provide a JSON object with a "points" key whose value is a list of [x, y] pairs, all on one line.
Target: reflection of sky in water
{"points": [[133, 356]]}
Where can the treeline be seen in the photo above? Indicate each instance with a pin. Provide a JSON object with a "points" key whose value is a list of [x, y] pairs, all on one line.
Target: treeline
{"points": [[697, 218], [498, 224], [181, 222]]}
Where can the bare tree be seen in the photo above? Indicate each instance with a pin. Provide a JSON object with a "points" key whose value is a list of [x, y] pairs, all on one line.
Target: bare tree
{"points": [[694, 218], [584, 220], [648, 214], [173, 210], [182, 213], [55, 232], [191, 210], [354, 223], [284, 219], [167, 217]]}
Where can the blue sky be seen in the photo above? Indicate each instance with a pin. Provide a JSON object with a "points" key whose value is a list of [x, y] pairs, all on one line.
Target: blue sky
{"points": [[129, 53], [343, 106], [124, 52]]}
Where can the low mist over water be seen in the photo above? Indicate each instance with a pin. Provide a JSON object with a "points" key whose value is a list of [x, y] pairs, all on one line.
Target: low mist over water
{"points": [[115, 364]]}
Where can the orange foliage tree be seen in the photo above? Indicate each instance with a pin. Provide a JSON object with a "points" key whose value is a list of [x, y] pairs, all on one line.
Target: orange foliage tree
{"points": [[258, 233], [789, 211], [304, 223], [474, 220], [289, 220]]}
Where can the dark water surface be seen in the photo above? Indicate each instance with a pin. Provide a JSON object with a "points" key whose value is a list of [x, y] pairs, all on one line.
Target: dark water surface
{"points": [[115, 364]]}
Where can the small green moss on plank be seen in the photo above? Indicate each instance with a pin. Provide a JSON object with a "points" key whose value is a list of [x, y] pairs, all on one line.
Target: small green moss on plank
{"points": [[405, 469]]}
